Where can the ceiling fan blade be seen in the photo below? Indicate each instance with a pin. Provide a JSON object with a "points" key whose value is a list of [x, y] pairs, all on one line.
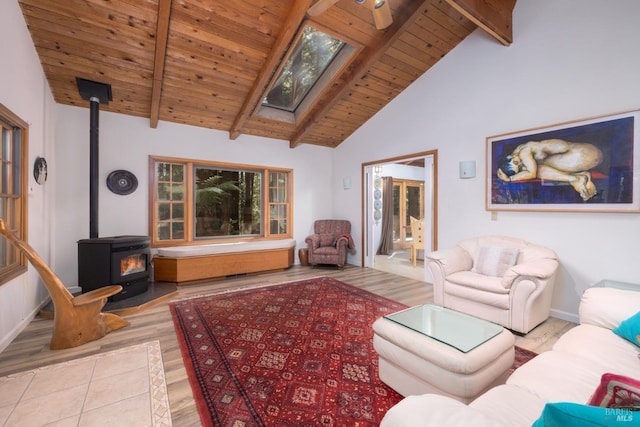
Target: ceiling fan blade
{"points": [[381, 13], [320, 6]]}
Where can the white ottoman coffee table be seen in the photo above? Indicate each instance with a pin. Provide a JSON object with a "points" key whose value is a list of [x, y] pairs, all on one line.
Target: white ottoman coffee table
{"points": [[431, 349]]}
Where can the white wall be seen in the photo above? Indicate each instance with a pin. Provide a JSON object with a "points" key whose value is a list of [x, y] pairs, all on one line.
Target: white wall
{"points": [[24, 91], [571, 59], [126, 143]]}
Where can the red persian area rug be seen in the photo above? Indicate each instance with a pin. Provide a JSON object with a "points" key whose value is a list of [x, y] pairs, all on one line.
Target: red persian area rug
{"points": [[522, 356], [299, 353], [294, 354]]}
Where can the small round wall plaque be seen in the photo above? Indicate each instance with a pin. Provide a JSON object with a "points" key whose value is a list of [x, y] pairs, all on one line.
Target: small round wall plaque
{"points": [[122, 182]]}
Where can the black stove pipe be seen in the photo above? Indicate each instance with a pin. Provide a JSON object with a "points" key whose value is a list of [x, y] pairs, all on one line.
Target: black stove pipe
{"points": [[93, 167], [96, 93]]}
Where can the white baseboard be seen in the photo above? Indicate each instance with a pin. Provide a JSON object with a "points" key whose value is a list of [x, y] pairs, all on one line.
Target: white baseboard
{"points": [[569, 317], [7, 339]]}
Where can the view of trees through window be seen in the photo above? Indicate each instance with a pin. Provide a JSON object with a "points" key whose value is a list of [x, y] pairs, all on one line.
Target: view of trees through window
{"points": [[218, 201], [312, 54], [227, 202]]}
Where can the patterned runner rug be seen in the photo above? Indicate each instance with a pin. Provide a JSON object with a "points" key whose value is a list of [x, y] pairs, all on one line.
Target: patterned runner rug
{"points": [[299, 353]]}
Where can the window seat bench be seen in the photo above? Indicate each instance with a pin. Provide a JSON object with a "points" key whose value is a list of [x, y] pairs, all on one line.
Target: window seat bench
{"points": [[200, 262]]}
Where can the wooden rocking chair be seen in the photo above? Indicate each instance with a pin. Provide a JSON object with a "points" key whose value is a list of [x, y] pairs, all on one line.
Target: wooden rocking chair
{"points": [[76, 320]]}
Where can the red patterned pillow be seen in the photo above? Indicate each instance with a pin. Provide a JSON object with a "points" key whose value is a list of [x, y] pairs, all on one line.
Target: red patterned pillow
{"points": [[616, 391]]}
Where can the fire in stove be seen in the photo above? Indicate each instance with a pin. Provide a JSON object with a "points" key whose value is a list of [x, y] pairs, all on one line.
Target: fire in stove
{"points": [[133, 264]]}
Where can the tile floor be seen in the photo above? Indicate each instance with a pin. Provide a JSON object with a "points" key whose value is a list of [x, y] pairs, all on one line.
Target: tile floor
{"points": [[124, 387]]}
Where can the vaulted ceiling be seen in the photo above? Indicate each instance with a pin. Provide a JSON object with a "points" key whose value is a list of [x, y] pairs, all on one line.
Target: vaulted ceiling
{"points": [[208, 63]]}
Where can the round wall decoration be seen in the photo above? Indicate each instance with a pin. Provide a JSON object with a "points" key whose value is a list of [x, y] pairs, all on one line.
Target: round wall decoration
{"points": [[122, 182], [40, 170]]}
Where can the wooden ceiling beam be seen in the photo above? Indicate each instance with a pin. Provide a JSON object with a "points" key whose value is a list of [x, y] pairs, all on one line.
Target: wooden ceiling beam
{"points": [[162, 37], [493, 16], [280, 47], [401, 22]]}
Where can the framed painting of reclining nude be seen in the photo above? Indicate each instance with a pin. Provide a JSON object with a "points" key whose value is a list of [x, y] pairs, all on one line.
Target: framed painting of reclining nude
{"points": [[587, 165]]}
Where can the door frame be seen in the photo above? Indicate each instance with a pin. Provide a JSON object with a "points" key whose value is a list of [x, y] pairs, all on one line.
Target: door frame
{"points": [[369, 245]]}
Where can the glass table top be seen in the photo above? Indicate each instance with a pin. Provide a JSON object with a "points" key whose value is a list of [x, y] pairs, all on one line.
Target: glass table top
{"points": [[459, 330]]}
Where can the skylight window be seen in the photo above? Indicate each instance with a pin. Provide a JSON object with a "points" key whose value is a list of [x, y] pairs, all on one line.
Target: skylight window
{"points": [[305, 65]]}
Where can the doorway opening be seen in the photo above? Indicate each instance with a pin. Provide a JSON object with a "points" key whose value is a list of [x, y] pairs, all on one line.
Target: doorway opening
{"points": [[411, 184]]}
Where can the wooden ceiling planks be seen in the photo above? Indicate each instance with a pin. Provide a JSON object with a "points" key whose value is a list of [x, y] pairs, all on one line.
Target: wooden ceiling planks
{"points": [[208, 63], [94, 41]]}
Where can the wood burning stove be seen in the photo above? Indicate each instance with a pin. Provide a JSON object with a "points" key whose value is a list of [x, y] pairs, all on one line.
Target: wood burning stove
{"points": [[103, 261], [119, 260]]}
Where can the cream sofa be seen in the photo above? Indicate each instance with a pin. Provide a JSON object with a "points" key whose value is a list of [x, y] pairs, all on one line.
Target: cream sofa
{"points": [[570, 372], [505, 280]]}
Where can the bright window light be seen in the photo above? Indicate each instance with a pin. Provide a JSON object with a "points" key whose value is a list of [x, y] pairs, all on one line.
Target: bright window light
{"points": [[310, 57]]}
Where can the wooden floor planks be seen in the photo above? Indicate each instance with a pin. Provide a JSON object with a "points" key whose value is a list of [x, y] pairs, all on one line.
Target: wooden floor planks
{"points": [[31, 348]]}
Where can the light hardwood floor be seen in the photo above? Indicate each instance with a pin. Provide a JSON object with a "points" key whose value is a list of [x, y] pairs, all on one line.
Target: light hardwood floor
{"points": [[31, 348], [399, 262]]}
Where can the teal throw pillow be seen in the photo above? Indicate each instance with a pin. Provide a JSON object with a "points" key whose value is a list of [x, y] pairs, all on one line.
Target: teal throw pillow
{"points": [[566, 414], [629, 329]]}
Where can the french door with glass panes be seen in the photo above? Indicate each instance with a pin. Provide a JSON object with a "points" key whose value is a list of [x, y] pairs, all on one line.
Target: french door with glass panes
{"points": [[408, 201]]}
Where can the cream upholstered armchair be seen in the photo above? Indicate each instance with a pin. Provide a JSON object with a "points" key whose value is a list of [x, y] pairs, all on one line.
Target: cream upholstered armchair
{"points": [[330, 242], [501, 279]]}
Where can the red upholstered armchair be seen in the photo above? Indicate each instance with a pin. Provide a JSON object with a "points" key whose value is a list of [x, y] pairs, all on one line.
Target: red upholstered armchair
{"points": [[330, 242]]}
